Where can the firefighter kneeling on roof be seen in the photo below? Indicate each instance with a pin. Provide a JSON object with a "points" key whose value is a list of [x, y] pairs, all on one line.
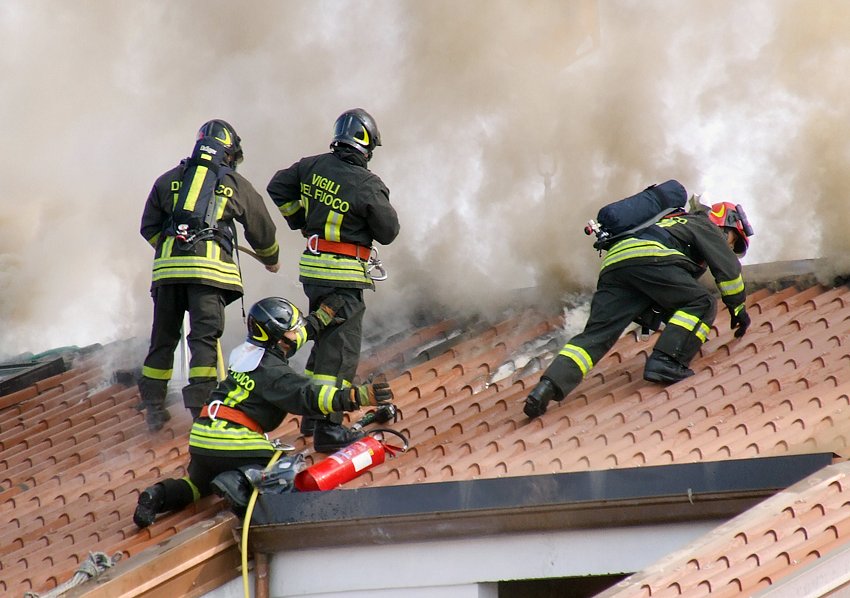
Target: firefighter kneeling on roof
{"points": [[259, 391], [655, 272]]}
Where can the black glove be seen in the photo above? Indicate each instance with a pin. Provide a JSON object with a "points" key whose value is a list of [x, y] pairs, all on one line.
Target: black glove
{"points": [[739, 320], [375, 394]]}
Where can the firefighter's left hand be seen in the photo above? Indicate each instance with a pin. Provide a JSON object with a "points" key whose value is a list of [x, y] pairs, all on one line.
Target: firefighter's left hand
{"points": [[375, 394], [323, 317], [740, 320]]}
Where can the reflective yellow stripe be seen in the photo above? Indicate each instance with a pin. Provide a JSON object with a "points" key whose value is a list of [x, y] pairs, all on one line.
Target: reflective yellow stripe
{"points": [[217, 437], [202, 372], [326, 397], [289, 208], [221, 204], [196, 494], [195, 188], [332, 226], [636, 248], [731, 287], [190, 266], [327, 379], [271, 250], [156, 374], [579, 356], [740, 308], [154, 240], [691, 324], [332, 267]]}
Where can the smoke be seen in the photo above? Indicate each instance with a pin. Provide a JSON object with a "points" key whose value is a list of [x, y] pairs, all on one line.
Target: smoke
{"points": [[506, 126]]}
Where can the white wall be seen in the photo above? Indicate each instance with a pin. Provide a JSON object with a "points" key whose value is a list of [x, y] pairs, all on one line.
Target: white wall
{"points": [[467, 568]]}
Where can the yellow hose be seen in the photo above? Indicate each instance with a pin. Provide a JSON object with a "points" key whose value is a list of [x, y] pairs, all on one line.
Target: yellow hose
{"points": [[246, 524]]}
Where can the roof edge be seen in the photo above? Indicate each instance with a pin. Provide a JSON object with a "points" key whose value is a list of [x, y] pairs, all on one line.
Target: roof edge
{"points": [[190, 564], [620, 497]]}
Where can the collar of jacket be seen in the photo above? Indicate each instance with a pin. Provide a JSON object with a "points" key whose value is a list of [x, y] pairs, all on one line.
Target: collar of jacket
{"points": [[350, 155]]}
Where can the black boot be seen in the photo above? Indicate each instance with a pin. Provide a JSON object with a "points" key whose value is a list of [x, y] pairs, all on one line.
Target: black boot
{"points": [[330, 437], [538, 399], [152, 393], [663, 369], [150, 503]]}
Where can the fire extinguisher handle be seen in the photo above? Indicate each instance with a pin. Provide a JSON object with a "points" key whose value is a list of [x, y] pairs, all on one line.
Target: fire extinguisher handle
{"points": [[406, 444]]}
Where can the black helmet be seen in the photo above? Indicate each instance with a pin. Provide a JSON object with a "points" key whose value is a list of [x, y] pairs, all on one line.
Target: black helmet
{"points": [[356, 128], [223, 133], [270, 318]]}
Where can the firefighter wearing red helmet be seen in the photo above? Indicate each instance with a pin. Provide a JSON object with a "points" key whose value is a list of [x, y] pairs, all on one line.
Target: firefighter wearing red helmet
{"points": [[261, 388], [189, 219], [342, 208], [649, 278]]}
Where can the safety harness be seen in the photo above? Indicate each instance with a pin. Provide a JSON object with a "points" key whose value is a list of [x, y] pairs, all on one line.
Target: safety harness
{"points": [[218, 410], [317, 245]]}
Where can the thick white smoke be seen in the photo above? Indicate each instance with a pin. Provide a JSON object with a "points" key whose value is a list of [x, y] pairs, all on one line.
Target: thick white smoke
{"points": [[505, 126]]}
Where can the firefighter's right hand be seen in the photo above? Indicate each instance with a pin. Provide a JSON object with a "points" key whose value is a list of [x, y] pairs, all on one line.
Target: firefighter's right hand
{"points": [[738, 318], [372, 395], [273, 268]]}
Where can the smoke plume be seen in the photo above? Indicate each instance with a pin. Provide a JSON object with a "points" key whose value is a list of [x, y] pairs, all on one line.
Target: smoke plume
{"points": [[506, 125]]}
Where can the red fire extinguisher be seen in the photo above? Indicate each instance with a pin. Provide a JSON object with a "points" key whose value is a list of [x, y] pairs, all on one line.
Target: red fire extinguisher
{"points": [[349, 462]]}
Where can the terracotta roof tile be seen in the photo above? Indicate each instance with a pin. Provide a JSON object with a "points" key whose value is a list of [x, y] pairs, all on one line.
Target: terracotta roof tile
{"points": [[75, 453]]}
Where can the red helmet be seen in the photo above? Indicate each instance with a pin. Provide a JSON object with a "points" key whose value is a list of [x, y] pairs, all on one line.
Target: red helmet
{"points": [[731, 216]]}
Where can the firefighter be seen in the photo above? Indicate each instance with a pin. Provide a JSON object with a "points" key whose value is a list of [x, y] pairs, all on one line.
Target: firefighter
{"points": [[259, 391], [341, 208], [656, 272], [189, 221]]}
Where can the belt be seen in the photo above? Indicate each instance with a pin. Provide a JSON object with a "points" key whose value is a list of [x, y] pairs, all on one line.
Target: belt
{"points": [[319, 245], [217, 410]]}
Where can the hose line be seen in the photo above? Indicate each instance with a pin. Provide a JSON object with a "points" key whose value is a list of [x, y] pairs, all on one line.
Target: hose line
{"points": [[247, 523]]}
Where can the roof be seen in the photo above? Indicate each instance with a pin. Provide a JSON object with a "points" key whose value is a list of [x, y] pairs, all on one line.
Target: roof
{"points": [[75, 453]]}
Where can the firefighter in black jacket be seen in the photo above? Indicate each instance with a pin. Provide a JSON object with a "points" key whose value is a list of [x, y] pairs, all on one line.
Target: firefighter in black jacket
{"points": [[657, 271], [189, 221], [341, 208], [259, 391]]}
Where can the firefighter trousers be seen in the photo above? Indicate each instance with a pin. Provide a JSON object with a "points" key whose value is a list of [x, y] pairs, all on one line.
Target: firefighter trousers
{"points": [[202, 470], [205, 305], [335, 354], [622, 295]]}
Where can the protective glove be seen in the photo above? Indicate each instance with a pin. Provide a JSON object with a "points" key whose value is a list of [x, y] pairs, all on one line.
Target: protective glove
{"points": [[739, 319], [375, 394], [324, 316]]}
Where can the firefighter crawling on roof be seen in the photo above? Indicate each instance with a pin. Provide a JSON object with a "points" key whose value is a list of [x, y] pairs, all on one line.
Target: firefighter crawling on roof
{"points": [[189, 220], [342, 208], [656, 271], [259, 391]]}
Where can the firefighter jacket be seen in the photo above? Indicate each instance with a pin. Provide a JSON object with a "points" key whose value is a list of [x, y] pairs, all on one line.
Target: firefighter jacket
{"points": [[334, 197], [690, 241], [209, 261], [266, 394]]}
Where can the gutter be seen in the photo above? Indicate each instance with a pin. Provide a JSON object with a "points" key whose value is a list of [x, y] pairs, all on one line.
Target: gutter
{"points": [[474, 508]]}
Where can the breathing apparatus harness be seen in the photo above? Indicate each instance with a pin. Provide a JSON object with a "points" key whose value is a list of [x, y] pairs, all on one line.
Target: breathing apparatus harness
{"points": [[194, 216]]}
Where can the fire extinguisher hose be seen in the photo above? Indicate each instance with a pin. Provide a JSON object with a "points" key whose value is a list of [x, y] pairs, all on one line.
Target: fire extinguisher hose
{"points": [[246, 523], [392, 449]]}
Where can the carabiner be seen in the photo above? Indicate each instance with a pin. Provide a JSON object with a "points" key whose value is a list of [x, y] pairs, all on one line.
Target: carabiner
{"points": [[313, 244], [375, 263]]}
